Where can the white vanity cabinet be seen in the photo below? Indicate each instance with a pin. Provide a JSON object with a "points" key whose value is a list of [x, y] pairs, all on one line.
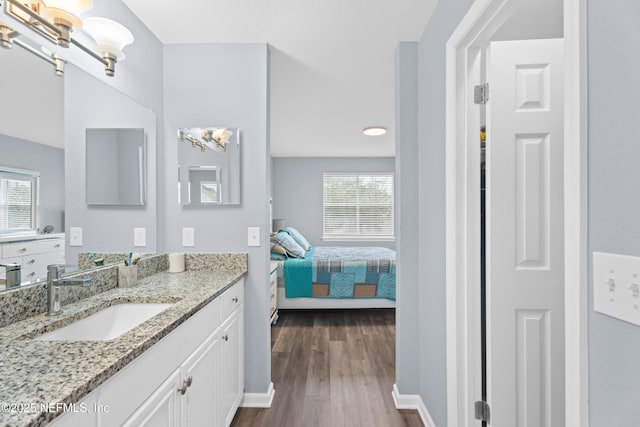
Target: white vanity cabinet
{"points": [[192, 377], [33, 255]]}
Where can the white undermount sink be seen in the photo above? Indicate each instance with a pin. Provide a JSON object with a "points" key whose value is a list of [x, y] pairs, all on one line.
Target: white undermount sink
{"points": [[106, 324]]}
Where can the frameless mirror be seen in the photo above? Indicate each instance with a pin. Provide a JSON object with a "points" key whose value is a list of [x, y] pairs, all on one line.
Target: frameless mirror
{"points": [[116, 167], [208, 166]]}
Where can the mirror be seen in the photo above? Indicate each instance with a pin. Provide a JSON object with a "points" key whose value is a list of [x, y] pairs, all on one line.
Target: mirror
{"points": [[208, 166], [33, 136], [116, 167]]}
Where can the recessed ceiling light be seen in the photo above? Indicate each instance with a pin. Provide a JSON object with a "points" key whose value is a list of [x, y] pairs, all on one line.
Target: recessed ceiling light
{"points": [[375, 131]]}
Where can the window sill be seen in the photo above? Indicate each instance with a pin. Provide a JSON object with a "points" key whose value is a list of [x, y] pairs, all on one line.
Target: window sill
{"points": [[357, 239]]}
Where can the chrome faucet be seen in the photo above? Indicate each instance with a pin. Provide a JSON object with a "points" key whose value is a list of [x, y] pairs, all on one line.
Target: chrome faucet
{"points": [[54, 282], [12, 278]]}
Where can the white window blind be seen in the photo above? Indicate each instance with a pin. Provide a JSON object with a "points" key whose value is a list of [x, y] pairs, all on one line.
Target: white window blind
{"points": [[358, 206], [18, 201]]}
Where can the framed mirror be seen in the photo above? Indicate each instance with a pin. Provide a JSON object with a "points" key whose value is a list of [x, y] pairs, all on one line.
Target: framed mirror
{"points": [[208, 166], [116, 167]]}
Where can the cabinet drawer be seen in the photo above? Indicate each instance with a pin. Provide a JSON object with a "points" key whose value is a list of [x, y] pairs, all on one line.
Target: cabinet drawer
{"points": [[231, 299], [34, 267], [32, 247]]}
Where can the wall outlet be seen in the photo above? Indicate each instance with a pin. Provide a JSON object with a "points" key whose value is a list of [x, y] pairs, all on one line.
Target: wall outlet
{"points": [[188, 236], [140, 236], [616, 286], [253, 236], [75, 236]]}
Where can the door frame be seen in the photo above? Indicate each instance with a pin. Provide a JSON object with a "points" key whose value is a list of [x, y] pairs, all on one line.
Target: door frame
{"points": [[463, 72]]}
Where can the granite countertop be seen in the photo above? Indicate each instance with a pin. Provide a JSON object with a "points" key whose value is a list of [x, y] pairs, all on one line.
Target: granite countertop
{"points": [[35, 373]]}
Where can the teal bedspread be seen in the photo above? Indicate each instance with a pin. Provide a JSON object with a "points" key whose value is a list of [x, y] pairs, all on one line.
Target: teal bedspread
{"points": [[298, 273], [342, 272]]}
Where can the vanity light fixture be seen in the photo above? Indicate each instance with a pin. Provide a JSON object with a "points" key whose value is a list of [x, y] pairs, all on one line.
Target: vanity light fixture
{"points": [[56, 19], [374, 131]]}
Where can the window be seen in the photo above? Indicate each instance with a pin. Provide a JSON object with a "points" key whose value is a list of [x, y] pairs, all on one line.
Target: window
{"points": [[358, 206], [18, 201], [209, 192]]}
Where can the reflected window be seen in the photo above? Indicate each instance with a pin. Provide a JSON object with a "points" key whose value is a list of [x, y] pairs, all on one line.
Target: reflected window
{"points": [[18, 201], [209, 192]]}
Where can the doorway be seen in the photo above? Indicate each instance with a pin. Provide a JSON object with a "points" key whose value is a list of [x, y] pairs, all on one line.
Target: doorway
{"points": [[488, 20]]}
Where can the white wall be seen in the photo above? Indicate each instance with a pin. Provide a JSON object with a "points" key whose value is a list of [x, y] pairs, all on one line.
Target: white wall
{"points": [[228, 87]]}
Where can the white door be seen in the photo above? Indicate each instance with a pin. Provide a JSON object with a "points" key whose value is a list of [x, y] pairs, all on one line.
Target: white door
{"points": [[199, 375], [159, 410], [525, 246]]}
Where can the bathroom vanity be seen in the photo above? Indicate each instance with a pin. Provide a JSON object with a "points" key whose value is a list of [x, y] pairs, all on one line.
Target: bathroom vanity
{"points": [[33, 253], [183, 366]]}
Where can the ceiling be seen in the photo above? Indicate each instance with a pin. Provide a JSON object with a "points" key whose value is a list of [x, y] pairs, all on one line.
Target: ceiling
{"points": [[332, 62]]}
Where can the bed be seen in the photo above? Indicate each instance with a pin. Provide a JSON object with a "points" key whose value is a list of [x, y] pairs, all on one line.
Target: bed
{"points": [[337, 277]]}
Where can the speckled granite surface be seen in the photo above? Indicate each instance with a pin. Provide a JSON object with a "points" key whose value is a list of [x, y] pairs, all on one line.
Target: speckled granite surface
{"points": [[21, 303], [58, 371]]}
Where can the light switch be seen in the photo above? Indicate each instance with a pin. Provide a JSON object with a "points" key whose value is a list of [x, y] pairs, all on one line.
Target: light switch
{"points": [[188, 236], [616, 286], [140, 236], [253, 236], [75, 236]]}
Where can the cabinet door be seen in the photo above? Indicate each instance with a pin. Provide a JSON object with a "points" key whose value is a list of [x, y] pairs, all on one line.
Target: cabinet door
{"points": [[162, 409], [232, 367], [199, 376]]}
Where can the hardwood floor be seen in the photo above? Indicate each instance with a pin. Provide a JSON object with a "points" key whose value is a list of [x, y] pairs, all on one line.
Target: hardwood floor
{"points": [[332, 368]]}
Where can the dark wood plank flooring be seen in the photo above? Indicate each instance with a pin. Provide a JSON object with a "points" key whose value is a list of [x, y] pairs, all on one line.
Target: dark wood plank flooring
{"points": [[332, 368]]}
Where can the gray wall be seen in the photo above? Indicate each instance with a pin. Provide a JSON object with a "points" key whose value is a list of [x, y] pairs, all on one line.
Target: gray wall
{"points": [[424, 279], [228, 87], [614, 346], [297, 192], [49, 161], [407, 219], [105, 228]]}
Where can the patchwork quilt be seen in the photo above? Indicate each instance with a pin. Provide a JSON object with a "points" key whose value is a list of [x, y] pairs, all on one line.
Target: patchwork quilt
{"points": [[342, 272]]}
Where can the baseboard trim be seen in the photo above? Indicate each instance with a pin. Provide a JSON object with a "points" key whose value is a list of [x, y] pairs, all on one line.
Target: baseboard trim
{"points": [[412, 401], [258, 400]]}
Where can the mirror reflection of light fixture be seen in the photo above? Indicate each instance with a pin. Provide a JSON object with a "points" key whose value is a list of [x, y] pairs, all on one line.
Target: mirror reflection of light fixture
{"points": [[6, 35], [8, 39], [219, 136], [56, 19]]}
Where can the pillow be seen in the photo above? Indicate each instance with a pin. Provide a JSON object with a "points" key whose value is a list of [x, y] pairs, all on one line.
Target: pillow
{"points": [[275, 256], [277, 249], [285, 240], [299, 238]]}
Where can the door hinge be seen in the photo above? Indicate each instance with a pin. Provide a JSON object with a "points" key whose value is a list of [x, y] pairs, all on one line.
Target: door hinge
{"points": [[482, 411], [481, 93]]}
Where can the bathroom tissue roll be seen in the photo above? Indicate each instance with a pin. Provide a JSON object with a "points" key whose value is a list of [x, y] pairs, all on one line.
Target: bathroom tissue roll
{"points": [[176, 263]]}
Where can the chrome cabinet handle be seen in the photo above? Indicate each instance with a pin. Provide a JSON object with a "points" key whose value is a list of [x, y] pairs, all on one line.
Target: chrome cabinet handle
{"points": [[235, 299], [186, 383], [226, 337]]}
